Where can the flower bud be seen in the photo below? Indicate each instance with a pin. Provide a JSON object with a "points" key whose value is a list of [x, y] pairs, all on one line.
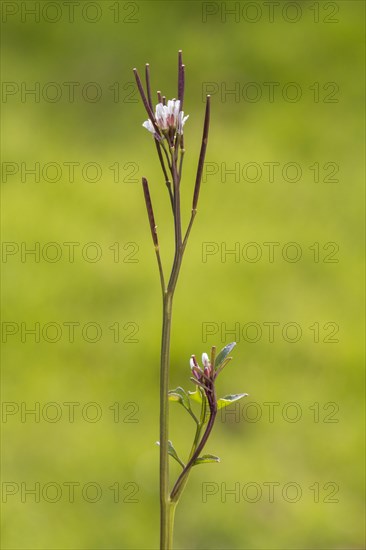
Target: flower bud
{"points": [[193, 362], [197, 373]]}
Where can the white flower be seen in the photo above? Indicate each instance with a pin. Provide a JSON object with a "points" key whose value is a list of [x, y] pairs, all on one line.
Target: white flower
{"points": [[205, 360], [191, 363], [167, 117], [161, 116]]}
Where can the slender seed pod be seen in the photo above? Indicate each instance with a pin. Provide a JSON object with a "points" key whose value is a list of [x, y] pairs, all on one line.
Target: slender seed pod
{"points": [[148, 87], [201, 160], [150, 212], [145, 101]]}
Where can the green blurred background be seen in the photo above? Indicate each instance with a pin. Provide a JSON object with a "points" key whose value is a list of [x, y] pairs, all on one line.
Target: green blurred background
{"points": [[321, 453]]}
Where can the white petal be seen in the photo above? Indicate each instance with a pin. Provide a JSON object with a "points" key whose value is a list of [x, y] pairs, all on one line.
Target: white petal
{"points": [[149, 126], [170, 107], [191, 363], [181, 121], [205, 359], [159, 110], [176, 110], [161, 115]]}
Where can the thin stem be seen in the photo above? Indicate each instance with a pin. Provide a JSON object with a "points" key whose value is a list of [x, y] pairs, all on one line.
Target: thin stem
{"points": [[165, 520], [182, 479], [178, 139], [189, 228], [182, 151], [166, 154], [177, 221], [199, 426], [167, 180], [172, 507], [162, 164], [166, 506], [161, 271]]}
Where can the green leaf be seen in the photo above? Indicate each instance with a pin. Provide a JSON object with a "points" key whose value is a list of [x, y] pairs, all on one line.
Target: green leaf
{"points": [[206, 459], [180, 395], [196, 395], [228, 399], [223, 354], [173, 453]]}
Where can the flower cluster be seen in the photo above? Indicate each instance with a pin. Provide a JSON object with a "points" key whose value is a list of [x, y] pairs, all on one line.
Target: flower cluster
{"points": [[205, 374], [167, 117], [205, 377], [166, 123]]}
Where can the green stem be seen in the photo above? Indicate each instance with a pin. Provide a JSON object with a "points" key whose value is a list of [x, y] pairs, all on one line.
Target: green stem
{"points": [[165, 536], [167, 505], [167, 533], [172, 507], [167, 508], [199, 425], [183, 478]]}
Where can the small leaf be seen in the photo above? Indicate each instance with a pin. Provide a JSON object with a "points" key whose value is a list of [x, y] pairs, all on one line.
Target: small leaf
{"points": [[223, 354], [196, 396], [228, 399], [173, 453], [206, 459], [180, 395]]}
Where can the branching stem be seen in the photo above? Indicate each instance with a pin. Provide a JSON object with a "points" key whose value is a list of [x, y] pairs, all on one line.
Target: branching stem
{"points": [[170, 147]]}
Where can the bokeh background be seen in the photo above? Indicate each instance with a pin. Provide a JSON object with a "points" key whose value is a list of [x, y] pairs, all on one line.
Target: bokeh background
{"points": [[109, 368]]}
